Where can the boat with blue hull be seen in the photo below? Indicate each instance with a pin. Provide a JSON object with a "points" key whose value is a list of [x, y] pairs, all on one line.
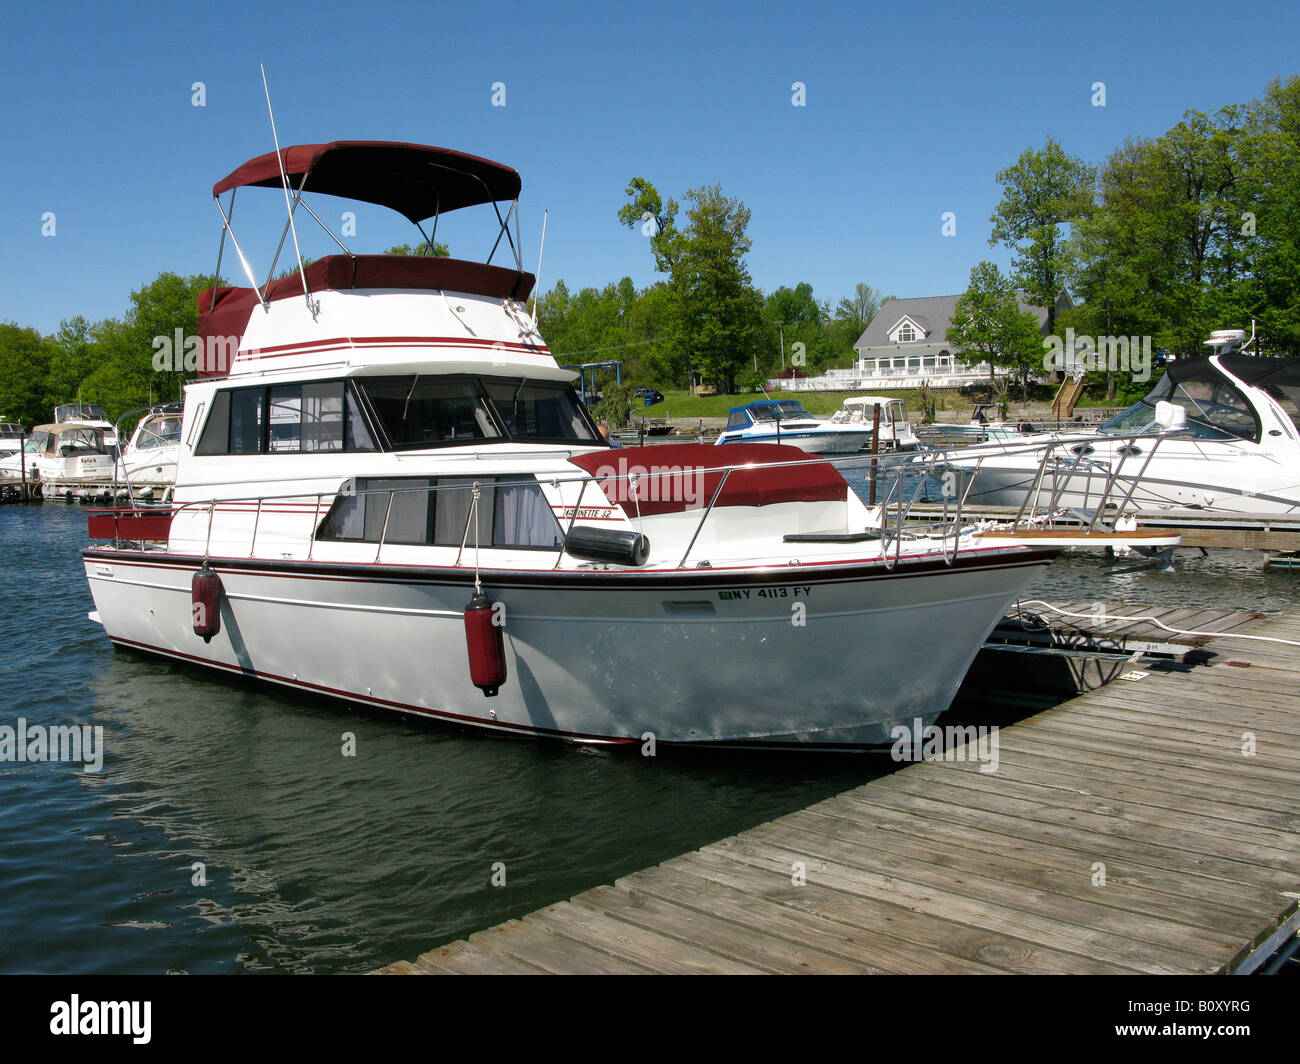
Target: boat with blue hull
{"points": [[785, 421]]}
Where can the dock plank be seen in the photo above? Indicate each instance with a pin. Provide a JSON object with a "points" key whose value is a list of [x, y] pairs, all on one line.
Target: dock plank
{"points": [[939, 867]]}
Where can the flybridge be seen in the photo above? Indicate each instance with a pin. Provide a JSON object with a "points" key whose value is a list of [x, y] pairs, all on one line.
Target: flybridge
{"points": [[417, 181]]}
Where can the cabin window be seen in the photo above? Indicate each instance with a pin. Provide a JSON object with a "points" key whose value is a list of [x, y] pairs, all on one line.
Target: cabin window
{"points": [[216, 433], [417, 412], [247, 416], [541, 410], [906, 334], [512, 513], [286, 419]]}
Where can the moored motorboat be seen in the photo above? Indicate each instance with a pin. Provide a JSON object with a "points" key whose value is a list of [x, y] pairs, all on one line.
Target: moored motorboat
{"points": [[895, 430], [69, 457], [785, 421], [11, 437], [1230, 444], [148, 461], [388, 492]]}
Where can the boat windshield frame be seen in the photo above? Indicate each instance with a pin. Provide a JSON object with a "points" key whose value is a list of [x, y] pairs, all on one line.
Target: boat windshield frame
{"points": [[487, 409], [1224, 400], [356, 170], [778, 410]]}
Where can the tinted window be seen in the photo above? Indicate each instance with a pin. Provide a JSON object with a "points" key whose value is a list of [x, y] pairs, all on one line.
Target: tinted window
{"points": [[539, 410], [302, 418], [246, 420], [216, 433], [428, 411]]}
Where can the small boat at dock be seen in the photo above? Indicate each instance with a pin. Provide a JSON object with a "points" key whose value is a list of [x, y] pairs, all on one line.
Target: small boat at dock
{"points": [[786, 422]]}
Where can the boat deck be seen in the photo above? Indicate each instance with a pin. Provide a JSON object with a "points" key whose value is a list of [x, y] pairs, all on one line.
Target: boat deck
{"points": [[1149, 826]]}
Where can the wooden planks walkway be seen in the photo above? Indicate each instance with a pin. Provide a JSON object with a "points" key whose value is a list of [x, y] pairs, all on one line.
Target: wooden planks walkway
{"points": [[1150, 826]]}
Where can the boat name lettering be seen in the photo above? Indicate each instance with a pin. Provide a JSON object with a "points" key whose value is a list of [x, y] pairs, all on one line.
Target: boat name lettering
{"points": [[590, 512]]}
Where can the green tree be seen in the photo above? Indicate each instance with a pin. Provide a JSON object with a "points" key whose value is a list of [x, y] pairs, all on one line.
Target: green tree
{"points": [[1042, 192], [73, 360], [712, 311], [989, 326], [25, 360], [439, 250]]}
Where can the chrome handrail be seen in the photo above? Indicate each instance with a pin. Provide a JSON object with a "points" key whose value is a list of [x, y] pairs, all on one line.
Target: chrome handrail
{"points": [[893, 524]]}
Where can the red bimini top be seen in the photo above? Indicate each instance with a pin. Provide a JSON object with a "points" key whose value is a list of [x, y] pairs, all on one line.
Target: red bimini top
{"points": [[673, 477], [416, 180]]}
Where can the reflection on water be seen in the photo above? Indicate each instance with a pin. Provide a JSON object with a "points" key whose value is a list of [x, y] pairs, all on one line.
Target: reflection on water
{"points": [[313, 861]]}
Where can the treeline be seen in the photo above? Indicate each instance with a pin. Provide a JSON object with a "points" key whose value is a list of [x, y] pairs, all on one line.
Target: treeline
{"points": [[1170, 237], [788, 329], [110, 362]]}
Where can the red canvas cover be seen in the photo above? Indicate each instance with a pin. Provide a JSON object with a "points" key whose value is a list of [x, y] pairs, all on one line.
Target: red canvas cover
{"points": [[672, 477], [224, 312], [416, 180], [129, 524]]}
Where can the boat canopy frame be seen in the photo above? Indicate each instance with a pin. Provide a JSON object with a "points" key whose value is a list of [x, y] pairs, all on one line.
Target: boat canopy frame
{"points": [[417, 181]]}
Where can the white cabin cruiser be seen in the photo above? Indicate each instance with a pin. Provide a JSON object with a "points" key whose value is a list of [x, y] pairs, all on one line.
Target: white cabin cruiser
{"points": [[1231, 446], [895, 431], [785, 421], [69, 455], [389, 493]]}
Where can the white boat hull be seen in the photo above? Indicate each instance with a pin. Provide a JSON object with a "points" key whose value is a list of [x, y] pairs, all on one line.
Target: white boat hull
{"points": [[819, 441], [1183, 474], [690, 657]]}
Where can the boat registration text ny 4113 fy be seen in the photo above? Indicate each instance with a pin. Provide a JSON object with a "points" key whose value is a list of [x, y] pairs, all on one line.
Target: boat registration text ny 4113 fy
{"points": [[767, 593]]}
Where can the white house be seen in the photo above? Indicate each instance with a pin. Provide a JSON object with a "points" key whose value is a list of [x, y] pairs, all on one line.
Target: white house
{"points": [[906, 345]]}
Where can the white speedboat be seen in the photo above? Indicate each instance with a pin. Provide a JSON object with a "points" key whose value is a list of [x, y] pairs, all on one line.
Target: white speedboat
{"points": [[149, 460], [1237, 450], [785, 421], [389, 493], [895, 431]]}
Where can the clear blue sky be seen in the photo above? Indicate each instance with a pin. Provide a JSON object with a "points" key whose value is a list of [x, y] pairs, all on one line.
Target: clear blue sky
{"points": [[911, 110]]}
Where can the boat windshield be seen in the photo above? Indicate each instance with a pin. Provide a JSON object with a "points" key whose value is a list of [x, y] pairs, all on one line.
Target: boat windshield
{"points": [[80, 441], [79, 412], [162, 432], [416, 412], [785, 410], [1215, 411], [10, 432]]}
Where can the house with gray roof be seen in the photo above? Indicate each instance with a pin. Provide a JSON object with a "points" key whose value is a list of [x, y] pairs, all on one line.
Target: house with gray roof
{"points": [[906, 344]]}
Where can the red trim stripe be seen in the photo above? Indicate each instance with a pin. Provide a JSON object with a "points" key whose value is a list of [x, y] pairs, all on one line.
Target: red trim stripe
{"points": [[343, 343]]}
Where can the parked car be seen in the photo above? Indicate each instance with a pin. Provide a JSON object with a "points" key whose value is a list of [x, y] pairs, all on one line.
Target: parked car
{"points": [[649, 395]]}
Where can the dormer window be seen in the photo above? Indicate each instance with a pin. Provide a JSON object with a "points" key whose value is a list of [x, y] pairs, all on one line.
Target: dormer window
{"points": [[906, 332]]}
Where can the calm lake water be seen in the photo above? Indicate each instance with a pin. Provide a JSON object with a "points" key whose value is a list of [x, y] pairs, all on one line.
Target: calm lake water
{"points": [[315, 862]]}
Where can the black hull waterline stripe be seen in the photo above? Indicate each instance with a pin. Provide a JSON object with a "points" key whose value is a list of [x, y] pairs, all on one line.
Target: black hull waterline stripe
{"points": [[569, 580]]}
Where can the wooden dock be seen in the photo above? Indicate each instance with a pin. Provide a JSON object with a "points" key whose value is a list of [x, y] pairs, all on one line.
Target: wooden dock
{"points": [[1197, 528], [1149, 826]]}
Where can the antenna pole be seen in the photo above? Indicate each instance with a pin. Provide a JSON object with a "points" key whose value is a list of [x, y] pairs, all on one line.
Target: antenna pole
{"points": [[537, 293], [284, 178]]}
